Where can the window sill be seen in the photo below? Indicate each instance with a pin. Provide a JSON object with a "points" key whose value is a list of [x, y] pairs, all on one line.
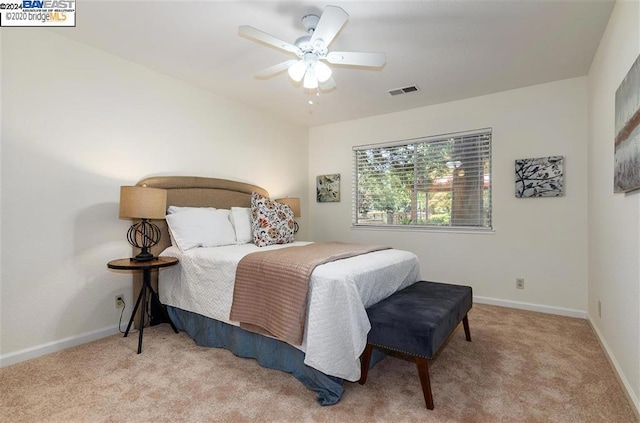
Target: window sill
{"points": [[408, 228]]}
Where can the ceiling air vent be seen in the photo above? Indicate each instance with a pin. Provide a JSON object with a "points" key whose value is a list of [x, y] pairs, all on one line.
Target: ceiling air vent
{"points": [[404, 90]]}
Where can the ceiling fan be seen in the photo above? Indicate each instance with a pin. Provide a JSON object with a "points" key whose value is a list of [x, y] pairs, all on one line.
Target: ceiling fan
{"points": [[312, 51]]}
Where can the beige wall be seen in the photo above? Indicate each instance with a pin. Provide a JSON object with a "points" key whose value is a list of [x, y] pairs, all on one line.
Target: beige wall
{"points": [[614, 219], [77, 124], [543, 240]]}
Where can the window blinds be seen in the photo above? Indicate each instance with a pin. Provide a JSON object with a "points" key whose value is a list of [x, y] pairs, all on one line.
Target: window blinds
{"points": [[442, 181]]}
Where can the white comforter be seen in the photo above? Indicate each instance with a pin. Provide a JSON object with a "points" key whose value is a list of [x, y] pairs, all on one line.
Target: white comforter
{"points": [[337, 324]]}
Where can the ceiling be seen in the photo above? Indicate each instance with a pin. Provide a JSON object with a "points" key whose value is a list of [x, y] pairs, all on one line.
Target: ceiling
{"points": [[450, 49]]}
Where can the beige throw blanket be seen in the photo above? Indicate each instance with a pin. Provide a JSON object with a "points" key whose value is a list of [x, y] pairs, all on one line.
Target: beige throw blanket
{"points": [[270, 292]]}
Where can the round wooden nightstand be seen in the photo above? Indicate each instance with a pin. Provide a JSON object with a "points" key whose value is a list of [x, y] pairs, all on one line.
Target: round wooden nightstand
{"points": [[146, 267]]}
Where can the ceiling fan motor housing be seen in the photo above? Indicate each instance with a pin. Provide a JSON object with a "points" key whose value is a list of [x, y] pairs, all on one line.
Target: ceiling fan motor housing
{"points": [[304, 44]]}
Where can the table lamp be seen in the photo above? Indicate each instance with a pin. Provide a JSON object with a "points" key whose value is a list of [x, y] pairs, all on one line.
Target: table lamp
{"points": [[143, 203]]}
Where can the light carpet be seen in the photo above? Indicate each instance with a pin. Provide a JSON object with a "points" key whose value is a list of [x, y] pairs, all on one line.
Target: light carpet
{"points": [[521, 367]]}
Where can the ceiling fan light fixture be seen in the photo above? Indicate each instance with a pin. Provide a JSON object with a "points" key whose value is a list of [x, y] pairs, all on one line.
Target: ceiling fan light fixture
{"points": [[297, 70], [310, 80], [322, 71]]}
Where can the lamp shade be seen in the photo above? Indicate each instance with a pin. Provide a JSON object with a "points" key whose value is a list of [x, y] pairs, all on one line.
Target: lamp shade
{"points": [[310, 81], [323, 72], [293, 203], [143, 203], [296, 72]]}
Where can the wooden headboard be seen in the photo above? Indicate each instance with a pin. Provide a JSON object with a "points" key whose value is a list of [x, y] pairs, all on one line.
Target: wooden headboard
{"points": [[196, 192]]}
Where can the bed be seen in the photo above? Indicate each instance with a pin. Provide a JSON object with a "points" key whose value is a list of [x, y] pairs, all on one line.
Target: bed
{"points": [[198, 294]]}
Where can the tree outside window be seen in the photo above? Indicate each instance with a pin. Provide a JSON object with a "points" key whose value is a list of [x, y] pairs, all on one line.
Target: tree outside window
{"points": [[440, 182]]}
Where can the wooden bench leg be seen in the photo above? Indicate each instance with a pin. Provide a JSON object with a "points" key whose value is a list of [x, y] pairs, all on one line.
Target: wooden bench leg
{"points": [[423, 372], [467, 332], [364, 363]]}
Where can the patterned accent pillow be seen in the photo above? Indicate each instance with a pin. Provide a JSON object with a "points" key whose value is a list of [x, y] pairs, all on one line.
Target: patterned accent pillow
{"points": [[271, 222]]}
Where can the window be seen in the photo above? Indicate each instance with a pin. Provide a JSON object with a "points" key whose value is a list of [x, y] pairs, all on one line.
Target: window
{"points": [[442, 181]]}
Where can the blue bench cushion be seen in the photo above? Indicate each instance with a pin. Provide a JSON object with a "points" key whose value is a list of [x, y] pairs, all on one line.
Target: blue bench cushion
{"points": [[418, 319]]}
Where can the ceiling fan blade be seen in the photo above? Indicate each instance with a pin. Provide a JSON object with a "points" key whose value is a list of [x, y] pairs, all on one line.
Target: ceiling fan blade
{"points": [[357, 58], [275, 69], [332, 20], [257, 35]]}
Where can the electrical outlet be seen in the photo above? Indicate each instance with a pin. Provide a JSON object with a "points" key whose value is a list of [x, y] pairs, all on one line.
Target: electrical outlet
{"points": [[599, 309], [520, 283], [119, 301]]}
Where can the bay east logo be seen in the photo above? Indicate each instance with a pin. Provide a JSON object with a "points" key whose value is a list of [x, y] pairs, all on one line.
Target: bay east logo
{"points": [[38, 13], [47, 4]]}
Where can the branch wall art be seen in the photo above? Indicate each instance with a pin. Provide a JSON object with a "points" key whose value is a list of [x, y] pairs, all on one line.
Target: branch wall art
{"points": [[540, 177]]}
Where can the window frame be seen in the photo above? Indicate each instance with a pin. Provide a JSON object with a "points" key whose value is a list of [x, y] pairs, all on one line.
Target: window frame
{"points": [[485, 213]]}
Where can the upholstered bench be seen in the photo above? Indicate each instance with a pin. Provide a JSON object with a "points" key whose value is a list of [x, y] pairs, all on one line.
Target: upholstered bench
{"points": [[415, 322]]}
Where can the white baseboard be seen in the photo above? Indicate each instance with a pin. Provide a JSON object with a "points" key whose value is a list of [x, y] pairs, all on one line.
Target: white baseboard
{"points": [[50, 347], [634, 401], [581, 314]]}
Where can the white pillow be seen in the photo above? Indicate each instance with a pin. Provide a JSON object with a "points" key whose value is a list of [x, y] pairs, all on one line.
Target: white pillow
{"points": [[201, 227], [178, 209], [241, 220]]}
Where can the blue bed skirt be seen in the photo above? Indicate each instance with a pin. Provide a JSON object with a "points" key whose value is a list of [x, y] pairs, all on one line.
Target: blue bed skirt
{"points": [[267, 351]]}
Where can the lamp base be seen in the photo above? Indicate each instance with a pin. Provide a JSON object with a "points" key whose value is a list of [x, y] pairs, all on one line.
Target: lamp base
{"points": [[143, 235], [143, 257]]}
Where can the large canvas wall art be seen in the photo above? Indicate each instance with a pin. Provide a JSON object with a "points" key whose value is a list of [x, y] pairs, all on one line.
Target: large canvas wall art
{"points": [[626, 170]]}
